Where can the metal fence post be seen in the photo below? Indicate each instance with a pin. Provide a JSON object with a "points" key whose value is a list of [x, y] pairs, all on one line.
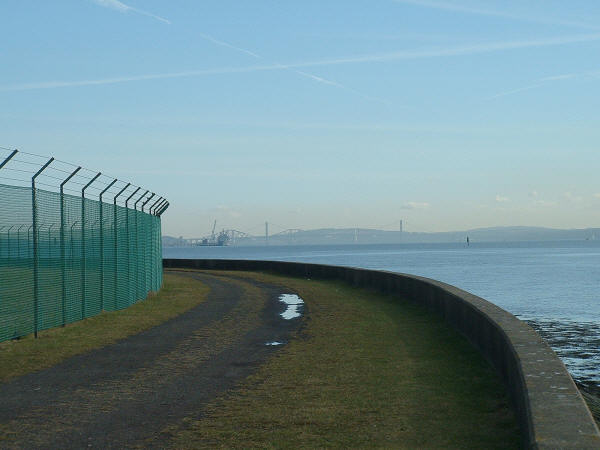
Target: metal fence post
{"points": [[29, 247], [8, 158], [160, 205], [36, 256], [83, 257], [129, 237], [102, 245], [1, 228], [62, 245], [8, 241], [137, 249], [159, 266], [145, 248], [153, 273], [163, 209], [19, 241], [115, 239]]}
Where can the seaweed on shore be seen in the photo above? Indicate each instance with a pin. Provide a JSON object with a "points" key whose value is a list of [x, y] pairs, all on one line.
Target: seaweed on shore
{"points": [[591, 394]]}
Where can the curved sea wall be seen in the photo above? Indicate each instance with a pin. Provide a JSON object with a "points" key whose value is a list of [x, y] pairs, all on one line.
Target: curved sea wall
{"points": [[550, 409]]}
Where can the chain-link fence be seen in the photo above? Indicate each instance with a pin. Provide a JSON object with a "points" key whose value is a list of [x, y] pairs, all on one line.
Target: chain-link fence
{"points": [[73, 243]]}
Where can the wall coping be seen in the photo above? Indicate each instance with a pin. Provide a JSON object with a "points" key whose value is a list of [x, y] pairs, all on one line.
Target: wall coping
{"points": [[551, 411]]}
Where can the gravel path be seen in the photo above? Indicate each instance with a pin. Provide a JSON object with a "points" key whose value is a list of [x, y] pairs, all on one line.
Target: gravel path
{"points": [[127, 394]]}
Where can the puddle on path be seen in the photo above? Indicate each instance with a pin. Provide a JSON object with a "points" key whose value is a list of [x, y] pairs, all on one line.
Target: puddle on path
{"points": [[293, 310], [294, 304]]}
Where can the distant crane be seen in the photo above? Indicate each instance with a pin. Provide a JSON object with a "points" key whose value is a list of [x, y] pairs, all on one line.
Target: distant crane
{"points": [[212, 235]]}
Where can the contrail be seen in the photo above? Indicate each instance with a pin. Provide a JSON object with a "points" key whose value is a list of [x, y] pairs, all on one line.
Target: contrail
{"points": [[225, 44], [445, 6], [547, 80], [122, 7], [299, 72], [383, 57], [514, 91]]}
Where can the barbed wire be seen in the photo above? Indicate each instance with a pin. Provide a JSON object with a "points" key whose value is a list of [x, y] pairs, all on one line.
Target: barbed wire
{"points": [[21, 162]]}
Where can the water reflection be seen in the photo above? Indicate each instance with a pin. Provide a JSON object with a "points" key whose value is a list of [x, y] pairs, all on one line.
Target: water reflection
{"points": [[294, 304]]}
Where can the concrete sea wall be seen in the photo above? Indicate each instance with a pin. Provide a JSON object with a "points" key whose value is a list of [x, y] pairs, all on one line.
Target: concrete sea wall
{"points": [[551, 411]]}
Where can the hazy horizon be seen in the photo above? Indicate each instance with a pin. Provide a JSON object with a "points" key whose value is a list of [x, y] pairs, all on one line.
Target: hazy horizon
{"points": [[449, 115]]}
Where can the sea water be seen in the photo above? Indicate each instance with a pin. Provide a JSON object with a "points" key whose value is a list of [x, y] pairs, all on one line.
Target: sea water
{"points": [[554, 286]]}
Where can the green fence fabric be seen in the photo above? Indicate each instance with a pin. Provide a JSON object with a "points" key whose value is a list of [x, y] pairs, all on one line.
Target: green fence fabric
{"points": [[85, 256]]}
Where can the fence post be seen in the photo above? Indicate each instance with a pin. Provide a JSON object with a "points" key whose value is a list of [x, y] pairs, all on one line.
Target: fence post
{"points": [[129, 238], [29, 253], [115, 239], [8, 241], [160, 205], [145, 248], [19, 242], [137, 249], [163, 209], [102, 245], [8, 158], [36, 256], [83, 268], [62, 245], [153, 273]]}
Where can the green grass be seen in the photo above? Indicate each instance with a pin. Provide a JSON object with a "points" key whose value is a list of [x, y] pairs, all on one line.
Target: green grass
{"points": [[366, 370], [26, 355]]}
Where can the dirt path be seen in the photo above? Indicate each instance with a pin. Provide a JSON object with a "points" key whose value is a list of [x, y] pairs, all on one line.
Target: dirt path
{"points": [[125, 394]]}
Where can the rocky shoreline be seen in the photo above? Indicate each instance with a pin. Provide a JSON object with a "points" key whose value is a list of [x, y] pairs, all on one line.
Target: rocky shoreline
{"points": [[591, 394], [578, 346]]}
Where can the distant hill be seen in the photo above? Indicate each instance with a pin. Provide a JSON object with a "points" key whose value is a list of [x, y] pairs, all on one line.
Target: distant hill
{"points": [[371, 236]]}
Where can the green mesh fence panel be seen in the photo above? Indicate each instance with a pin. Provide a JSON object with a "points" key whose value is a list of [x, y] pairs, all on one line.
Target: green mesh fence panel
{"points": [[121, 261], [90, 256], [132, 263], [16, 264]]}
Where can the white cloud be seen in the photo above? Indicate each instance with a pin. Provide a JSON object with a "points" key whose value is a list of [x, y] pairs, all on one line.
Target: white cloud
{"points": [[379, 57], [572, 197], [502, 199], [123, 8], [533, 194], [545, 203], [415, 205], [596, 195]]}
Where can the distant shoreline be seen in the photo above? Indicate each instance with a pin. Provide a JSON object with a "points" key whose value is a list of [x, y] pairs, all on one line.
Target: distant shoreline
{"points": [[348, 236]]}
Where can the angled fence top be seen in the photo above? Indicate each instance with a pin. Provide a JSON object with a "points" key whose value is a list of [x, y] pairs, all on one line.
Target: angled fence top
{"points": [[73, 243], [23, 169]]}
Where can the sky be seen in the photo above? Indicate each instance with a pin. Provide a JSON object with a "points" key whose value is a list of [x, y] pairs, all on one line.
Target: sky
{"points": [[448, 115]]}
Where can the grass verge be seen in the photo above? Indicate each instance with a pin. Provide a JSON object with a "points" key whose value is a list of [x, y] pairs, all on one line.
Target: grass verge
{"points": [[19, 357], [367, 370]]}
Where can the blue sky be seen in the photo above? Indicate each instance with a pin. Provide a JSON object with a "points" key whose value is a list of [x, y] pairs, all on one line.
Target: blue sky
{"points": [[446, 114]]}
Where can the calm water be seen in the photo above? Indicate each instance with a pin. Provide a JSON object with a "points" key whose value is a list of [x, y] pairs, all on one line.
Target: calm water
{"points": [[554, 286]]}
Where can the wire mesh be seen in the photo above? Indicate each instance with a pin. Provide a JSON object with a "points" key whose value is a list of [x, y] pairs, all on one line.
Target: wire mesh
{"points": [[65, 254]]}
